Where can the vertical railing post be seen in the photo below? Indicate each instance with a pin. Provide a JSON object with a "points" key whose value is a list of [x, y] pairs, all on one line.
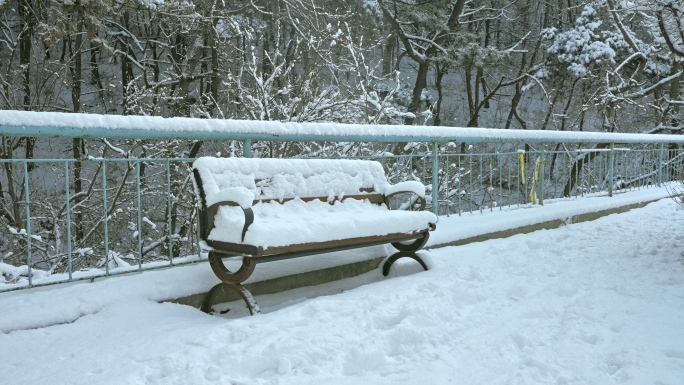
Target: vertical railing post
{"points": [[247, 148], [68, 219], [29, 257], [499, 164], [660, 164], [459, 186], [611, 165], [170, 212], [446, 186], [198, 238], [491, 185], [480, 178], [435, 179], [140, 242], [411, 166], [106, 215], [470, 182], [521, 177], [542, 159]]}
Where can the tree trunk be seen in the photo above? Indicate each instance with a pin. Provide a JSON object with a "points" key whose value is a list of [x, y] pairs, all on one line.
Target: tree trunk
{"points": [[185, 228], [126, 71], [215, 79], [674, 95], [441, 71], [16, 209], [418, 87], [577, 168], [77, 64], [77, 144], [388, 54], [26, 17]]}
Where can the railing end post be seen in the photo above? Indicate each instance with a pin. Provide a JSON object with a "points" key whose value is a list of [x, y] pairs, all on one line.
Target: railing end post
{"points": [[542, 158], [435, 178], [660, 164], [611, 166], [247, 148]]}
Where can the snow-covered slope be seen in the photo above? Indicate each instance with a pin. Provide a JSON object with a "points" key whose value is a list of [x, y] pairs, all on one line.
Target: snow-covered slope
{"points": [[599, 302]]}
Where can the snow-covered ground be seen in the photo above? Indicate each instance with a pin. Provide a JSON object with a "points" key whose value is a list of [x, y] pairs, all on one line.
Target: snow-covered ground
{"points": [[598, 302]]}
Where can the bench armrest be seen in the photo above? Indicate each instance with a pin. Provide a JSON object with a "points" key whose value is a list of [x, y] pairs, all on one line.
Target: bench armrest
{"points": [[210, 214], [235, 197], [241, 196], [408, 187]]}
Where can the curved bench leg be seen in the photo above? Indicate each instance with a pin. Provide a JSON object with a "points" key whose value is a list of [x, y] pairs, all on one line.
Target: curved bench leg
{"points": [[413, 246], [225, 275], [246, 296], [393, 258], [232, 281]]}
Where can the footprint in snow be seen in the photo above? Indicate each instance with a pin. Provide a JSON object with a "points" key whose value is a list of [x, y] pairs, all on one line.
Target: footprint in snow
{"points": [[674, 353]]}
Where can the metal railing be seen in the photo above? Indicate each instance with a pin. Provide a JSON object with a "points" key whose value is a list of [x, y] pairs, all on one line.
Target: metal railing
{"points": [[74, 219]]}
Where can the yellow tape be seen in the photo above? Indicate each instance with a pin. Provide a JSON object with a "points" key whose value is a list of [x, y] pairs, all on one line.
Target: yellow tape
{"points": [[522, 166], [533, 197], [535, 180]]}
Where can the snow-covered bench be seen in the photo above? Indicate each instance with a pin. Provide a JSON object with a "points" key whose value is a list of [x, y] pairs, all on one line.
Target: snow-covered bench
{"points": [[274, 209]]}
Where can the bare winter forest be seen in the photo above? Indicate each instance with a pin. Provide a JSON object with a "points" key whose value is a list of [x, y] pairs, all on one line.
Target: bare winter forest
{"points": [[557, 65], [574, 65]]}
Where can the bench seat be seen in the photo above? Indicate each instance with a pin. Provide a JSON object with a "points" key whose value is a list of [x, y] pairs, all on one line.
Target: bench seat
{"points": [[297, 222]]}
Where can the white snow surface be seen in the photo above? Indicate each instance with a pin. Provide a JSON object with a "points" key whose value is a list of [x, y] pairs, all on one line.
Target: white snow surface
{"points": [[297, 222], [289, 178], [471, 224], [598, 302], [122, 126], [411, 186], [240, 195]]}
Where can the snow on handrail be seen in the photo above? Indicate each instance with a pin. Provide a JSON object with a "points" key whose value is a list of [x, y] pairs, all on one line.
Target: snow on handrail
{"points": [[55, 124]]}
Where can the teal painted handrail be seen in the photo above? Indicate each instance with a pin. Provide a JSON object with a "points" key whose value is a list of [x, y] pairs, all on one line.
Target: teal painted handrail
{"points": [[52, 124]]}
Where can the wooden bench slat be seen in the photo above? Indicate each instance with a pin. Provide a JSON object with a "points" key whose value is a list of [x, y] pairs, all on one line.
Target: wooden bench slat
{"points": [[341, 243], [240, 249], [373, 198]]}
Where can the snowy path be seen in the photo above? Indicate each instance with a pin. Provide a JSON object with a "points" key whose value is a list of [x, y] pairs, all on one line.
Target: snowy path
{"points": [[600, 302]]}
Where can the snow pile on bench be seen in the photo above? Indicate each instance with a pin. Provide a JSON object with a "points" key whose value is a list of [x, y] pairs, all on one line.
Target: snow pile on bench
{"points": [[296, 221], [288, 178]]}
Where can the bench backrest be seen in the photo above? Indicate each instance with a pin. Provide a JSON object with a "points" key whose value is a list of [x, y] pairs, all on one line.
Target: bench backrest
{"points": [[281, 179]]}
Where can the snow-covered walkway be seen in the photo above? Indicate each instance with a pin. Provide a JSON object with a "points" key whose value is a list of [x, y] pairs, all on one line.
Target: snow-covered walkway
{"points": [[599, 302]]}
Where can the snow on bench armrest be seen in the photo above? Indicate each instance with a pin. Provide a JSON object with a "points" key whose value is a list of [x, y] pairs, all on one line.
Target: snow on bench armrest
{"points": [[407, 186], [240, 195]]}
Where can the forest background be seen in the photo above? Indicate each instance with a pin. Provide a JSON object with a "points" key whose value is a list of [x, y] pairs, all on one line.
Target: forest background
{"points": [[568, 65], [603, 65]]}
